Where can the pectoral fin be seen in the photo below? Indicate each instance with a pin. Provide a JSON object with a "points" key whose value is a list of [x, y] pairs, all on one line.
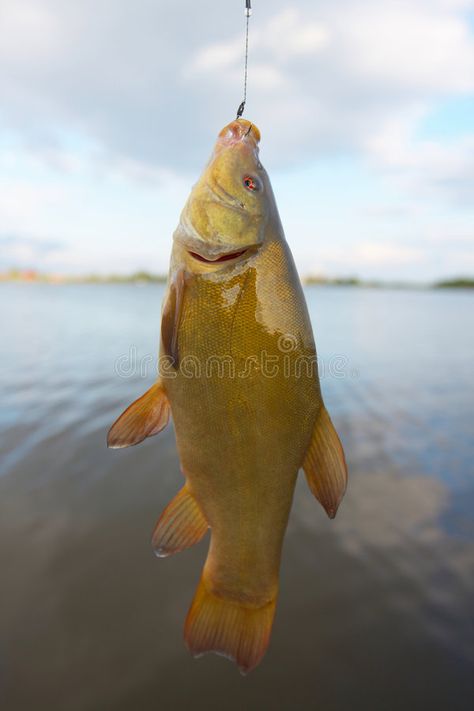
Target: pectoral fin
{"points": [[181, 525], [325, 464], [143, 418], [171, 317]]}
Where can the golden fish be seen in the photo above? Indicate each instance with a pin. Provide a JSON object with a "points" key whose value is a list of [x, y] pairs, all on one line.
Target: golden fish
{"points": [[238, 373]]}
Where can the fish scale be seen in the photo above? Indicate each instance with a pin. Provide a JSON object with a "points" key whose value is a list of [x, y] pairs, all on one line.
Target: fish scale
{"points": [[238, 373]]}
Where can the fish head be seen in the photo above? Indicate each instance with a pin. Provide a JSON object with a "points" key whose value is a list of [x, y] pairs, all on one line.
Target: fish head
{"points": [[228, 208]]}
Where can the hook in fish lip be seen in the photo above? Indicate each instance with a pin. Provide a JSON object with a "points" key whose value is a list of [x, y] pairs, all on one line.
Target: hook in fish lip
{"points": [[236, 131], [222, 258]]}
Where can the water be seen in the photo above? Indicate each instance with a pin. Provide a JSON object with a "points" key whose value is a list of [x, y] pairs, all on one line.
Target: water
{"points": [[376, 607]]}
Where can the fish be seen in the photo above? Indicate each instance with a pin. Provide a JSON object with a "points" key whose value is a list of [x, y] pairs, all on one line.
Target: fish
{"points": [[238, 374]]}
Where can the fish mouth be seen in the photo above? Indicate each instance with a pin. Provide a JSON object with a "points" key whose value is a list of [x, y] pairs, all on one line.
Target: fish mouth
{"points": [[217, 260], [237, 131]]}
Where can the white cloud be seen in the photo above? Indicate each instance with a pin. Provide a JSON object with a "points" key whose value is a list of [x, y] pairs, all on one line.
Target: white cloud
{"points": [[144, 84], [217, 56], [354, 76], [22, 203], [291, 33], [429, 168], [363, 258], [100, 92], [383, 253], [287, 34], [30, 32], [409, 46], [25, 252]]}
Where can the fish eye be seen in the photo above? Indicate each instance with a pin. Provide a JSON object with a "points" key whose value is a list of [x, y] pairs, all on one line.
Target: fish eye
{"points": [[251, 183]]}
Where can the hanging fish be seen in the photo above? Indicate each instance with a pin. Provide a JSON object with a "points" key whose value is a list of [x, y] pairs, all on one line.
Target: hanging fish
{"points": [[238, 373]]}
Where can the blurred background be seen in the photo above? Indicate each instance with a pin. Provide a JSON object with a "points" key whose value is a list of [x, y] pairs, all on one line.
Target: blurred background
{"points": [[108, 113]]}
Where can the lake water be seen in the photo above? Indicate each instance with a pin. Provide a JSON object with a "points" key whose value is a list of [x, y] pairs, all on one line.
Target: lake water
{"points": [[376, 607]]}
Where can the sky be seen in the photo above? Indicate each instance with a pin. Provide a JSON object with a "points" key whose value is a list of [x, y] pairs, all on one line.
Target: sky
{"points": [[109, 110]]}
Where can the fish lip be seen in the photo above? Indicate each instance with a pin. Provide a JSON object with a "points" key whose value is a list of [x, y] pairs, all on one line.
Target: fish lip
{"points": [[221, 258], [238, 131]]}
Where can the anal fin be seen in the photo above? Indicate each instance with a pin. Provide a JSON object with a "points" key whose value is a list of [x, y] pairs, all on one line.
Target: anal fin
{"points": [[325, 464], [181, 525], [143, 418]]}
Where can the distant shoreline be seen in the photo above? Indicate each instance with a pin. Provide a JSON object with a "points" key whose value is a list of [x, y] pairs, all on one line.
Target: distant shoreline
{"points": [[32, 277], [453, 283]]}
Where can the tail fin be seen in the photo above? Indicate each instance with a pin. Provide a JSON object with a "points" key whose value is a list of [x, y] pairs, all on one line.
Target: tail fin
{"points": [[225, 626]]}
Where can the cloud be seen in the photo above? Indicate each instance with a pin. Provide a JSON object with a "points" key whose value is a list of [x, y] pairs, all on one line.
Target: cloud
{"points": [[369, 66], [288, 35], [367, 258], [429, 168], [147, 86], [430, 254], [23, 202], [126, 98], [410, 46], [25, 252], [422, 500], [385, 253], [39, 29]]}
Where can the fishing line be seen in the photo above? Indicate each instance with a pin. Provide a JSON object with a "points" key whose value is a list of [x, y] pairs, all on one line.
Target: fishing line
{"points": [[248, 12]]}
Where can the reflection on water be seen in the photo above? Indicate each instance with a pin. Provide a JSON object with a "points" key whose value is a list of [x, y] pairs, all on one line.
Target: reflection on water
{"points": [[375, 608]]}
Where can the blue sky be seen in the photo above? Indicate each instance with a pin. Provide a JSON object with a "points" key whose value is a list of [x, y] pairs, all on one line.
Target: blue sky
{"points": [[109, 112]]}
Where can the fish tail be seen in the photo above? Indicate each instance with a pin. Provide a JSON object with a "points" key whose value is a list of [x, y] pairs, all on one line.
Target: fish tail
{"points": [[238, 631]]}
